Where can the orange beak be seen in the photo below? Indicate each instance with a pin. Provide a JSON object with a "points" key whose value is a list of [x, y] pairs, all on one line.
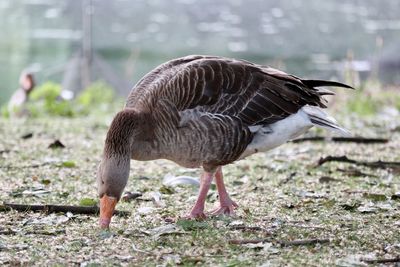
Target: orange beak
{"points": [[107, 207]]}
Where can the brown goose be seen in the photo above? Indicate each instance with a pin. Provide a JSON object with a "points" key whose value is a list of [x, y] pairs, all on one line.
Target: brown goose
{"points": [[207, 111]]}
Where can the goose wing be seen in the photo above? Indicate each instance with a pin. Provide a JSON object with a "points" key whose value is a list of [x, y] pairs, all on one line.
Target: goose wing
{"points": [[208, 103], [253, 93]]}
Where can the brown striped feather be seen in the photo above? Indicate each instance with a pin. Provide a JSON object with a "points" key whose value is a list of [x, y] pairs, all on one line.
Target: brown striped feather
{"points": [[202, 106]]}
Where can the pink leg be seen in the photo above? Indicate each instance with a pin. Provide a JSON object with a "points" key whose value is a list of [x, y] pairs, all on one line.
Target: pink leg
{"points": [[197, 211], [227, 205]]}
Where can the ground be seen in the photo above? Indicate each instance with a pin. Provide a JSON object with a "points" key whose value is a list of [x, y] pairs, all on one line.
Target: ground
{"points": [[283, 196]]}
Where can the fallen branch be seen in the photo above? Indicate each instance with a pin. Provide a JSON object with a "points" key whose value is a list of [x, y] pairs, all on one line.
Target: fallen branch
{"points": [[306, 226], [301, 242], [372, 164], [7, 232], [131, 196], [355, 172], [57, 208], [248, 228], [247, 241], [28, 166], [359, 140], [36, 232], [388, 260], [45, 232]]}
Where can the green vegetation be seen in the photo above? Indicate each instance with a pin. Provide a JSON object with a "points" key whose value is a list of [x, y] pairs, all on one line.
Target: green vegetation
{"points": [[97, 97], [371, 98], [87, 202], [365, 103], [4, 111], [46, 100]]}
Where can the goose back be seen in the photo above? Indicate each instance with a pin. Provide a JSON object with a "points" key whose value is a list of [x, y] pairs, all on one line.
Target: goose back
{"points": [[198, 99]]}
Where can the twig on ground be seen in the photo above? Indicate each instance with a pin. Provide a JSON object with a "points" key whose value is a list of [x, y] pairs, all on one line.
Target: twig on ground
{"points": [[45, 232], [355, 172], [35, 232], [360, 140], [349, 191], [57, 208], [306, 226], [7, 232], [301, 242], [372, 164], [28, 166], [248, 228], [247, 241], [131, 196], [387, 260]]}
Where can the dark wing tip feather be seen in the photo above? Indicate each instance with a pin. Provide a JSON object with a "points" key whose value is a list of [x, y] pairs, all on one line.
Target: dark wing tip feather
{"points": [[318, 83], [323, 91]]}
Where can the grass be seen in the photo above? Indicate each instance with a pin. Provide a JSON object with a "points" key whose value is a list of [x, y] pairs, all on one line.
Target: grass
{"points": [[280, 192], [372, 98]]}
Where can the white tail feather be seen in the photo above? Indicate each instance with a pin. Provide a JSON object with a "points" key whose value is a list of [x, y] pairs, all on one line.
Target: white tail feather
{"points": [[320, 119]]}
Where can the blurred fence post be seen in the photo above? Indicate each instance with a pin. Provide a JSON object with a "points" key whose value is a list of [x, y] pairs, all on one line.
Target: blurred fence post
{"points": [[87, 12]]}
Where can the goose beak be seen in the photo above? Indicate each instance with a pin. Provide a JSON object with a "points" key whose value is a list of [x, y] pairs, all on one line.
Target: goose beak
{"points": [[107, 207]]}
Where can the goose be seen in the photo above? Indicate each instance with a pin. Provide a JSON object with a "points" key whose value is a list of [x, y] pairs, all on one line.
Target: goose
{"points": [[207, 111], [21, 96]]}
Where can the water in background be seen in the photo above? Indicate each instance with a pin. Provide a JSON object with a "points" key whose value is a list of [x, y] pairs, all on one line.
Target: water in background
{"points": [[129, 38]]}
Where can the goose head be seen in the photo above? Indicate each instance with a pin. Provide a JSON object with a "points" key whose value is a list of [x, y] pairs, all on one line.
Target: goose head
{"points": [[112, 177], [113, 170]]}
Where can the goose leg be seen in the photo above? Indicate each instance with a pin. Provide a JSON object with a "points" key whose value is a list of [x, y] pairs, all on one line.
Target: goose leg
{"points": [[227, 205], [197, 211]]}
